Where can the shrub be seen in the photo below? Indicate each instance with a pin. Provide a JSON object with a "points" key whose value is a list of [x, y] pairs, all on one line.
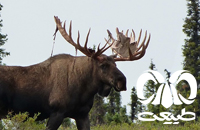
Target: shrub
{"points": [[22, 121]]}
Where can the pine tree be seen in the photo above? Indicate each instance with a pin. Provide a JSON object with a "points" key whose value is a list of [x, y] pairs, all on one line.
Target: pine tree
{"points": [[113, 106], [115, 112], [191, 52], [150, 89], [98, 111], [136, 105], [114, 102], [191, 49], [3, 39]]}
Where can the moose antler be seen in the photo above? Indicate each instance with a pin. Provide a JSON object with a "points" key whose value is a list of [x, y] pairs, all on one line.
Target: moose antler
{"points": [[126, 47], [68, 37]]}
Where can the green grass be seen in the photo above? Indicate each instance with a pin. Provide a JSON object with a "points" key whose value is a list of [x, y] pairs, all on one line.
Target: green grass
{"points": [[21, 121], [143, 126], [148, 126]]}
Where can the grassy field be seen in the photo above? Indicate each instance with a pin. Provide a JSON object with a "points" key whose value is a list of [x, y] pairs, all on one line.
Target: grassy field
{"points": [[144, 126], [23, 122], [148, 127]]}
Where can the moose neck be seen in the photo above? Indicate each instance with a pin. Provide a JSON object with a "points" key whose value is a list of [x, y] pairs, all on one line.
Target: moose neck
{"points": [[75, 76], [86, 69], [79, 72]]}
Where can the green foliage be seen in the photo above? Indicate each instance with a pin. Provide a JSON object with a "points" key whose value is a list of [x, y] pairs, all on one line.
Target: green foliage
{"points": [[108, 113], [3, 39], [22, 121], [191, 48], [66, 122], [114, 102], [116, 114], [118, 118], [149, 126], [123, 126], [98, 111], [191, 53], [150, 89], [71, 126], [136, 105]]}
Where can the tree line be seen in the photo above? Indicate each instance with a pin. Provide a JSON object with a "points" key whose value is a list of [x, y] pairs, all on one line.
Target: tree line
{"points": [[112, 111]]}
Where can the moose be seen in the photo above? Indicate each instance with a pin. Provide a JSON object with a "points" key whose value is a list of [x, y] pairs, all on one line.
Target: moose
{"points": [[64, 85]]}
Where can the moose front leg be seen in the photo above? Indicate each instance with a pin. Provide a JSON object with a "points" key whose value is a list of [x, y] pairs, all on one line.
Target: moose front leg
{"points": [[55, 121], [83, 123]]}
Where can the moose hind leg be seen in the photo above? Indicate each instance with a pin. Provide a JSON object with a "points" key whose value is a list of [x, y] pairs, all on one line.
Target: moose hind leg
{"points": [[55, 120]]}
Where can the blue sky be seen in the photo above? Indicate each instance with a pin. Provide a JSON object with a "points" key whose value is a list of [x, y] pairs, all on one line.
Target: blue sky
{"points": [[30, 27]]}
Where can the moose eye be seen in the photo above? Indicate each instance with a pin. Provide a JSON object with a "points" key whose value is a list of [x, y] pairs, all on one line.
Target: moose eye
{"points": [[104, 66]]}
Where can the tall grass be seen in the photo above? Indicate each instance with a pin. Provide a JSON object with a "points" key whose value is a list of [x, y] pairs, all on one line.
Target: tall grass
{"points": [[21, 121], [149, 126]]}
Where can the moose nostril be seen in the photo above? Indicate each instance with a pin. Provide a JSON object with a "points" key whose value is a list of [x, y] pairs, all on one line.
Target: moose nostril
{"points": [[121, 83]]}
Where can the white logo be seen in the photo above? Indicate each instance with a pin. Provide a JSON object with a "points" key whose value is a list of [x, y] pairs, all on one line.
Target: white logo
{"points": [[169, 95]]}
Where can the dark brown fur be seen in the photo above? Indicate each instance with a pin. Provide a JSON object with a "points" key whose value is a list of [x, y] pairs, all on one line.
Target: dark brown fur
{"points": [[62, 86]]}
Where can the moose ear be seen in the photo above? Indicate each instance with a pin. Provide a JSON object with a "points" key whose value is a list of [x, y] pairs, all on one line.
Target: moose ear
{"points": [[113, 56]]}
